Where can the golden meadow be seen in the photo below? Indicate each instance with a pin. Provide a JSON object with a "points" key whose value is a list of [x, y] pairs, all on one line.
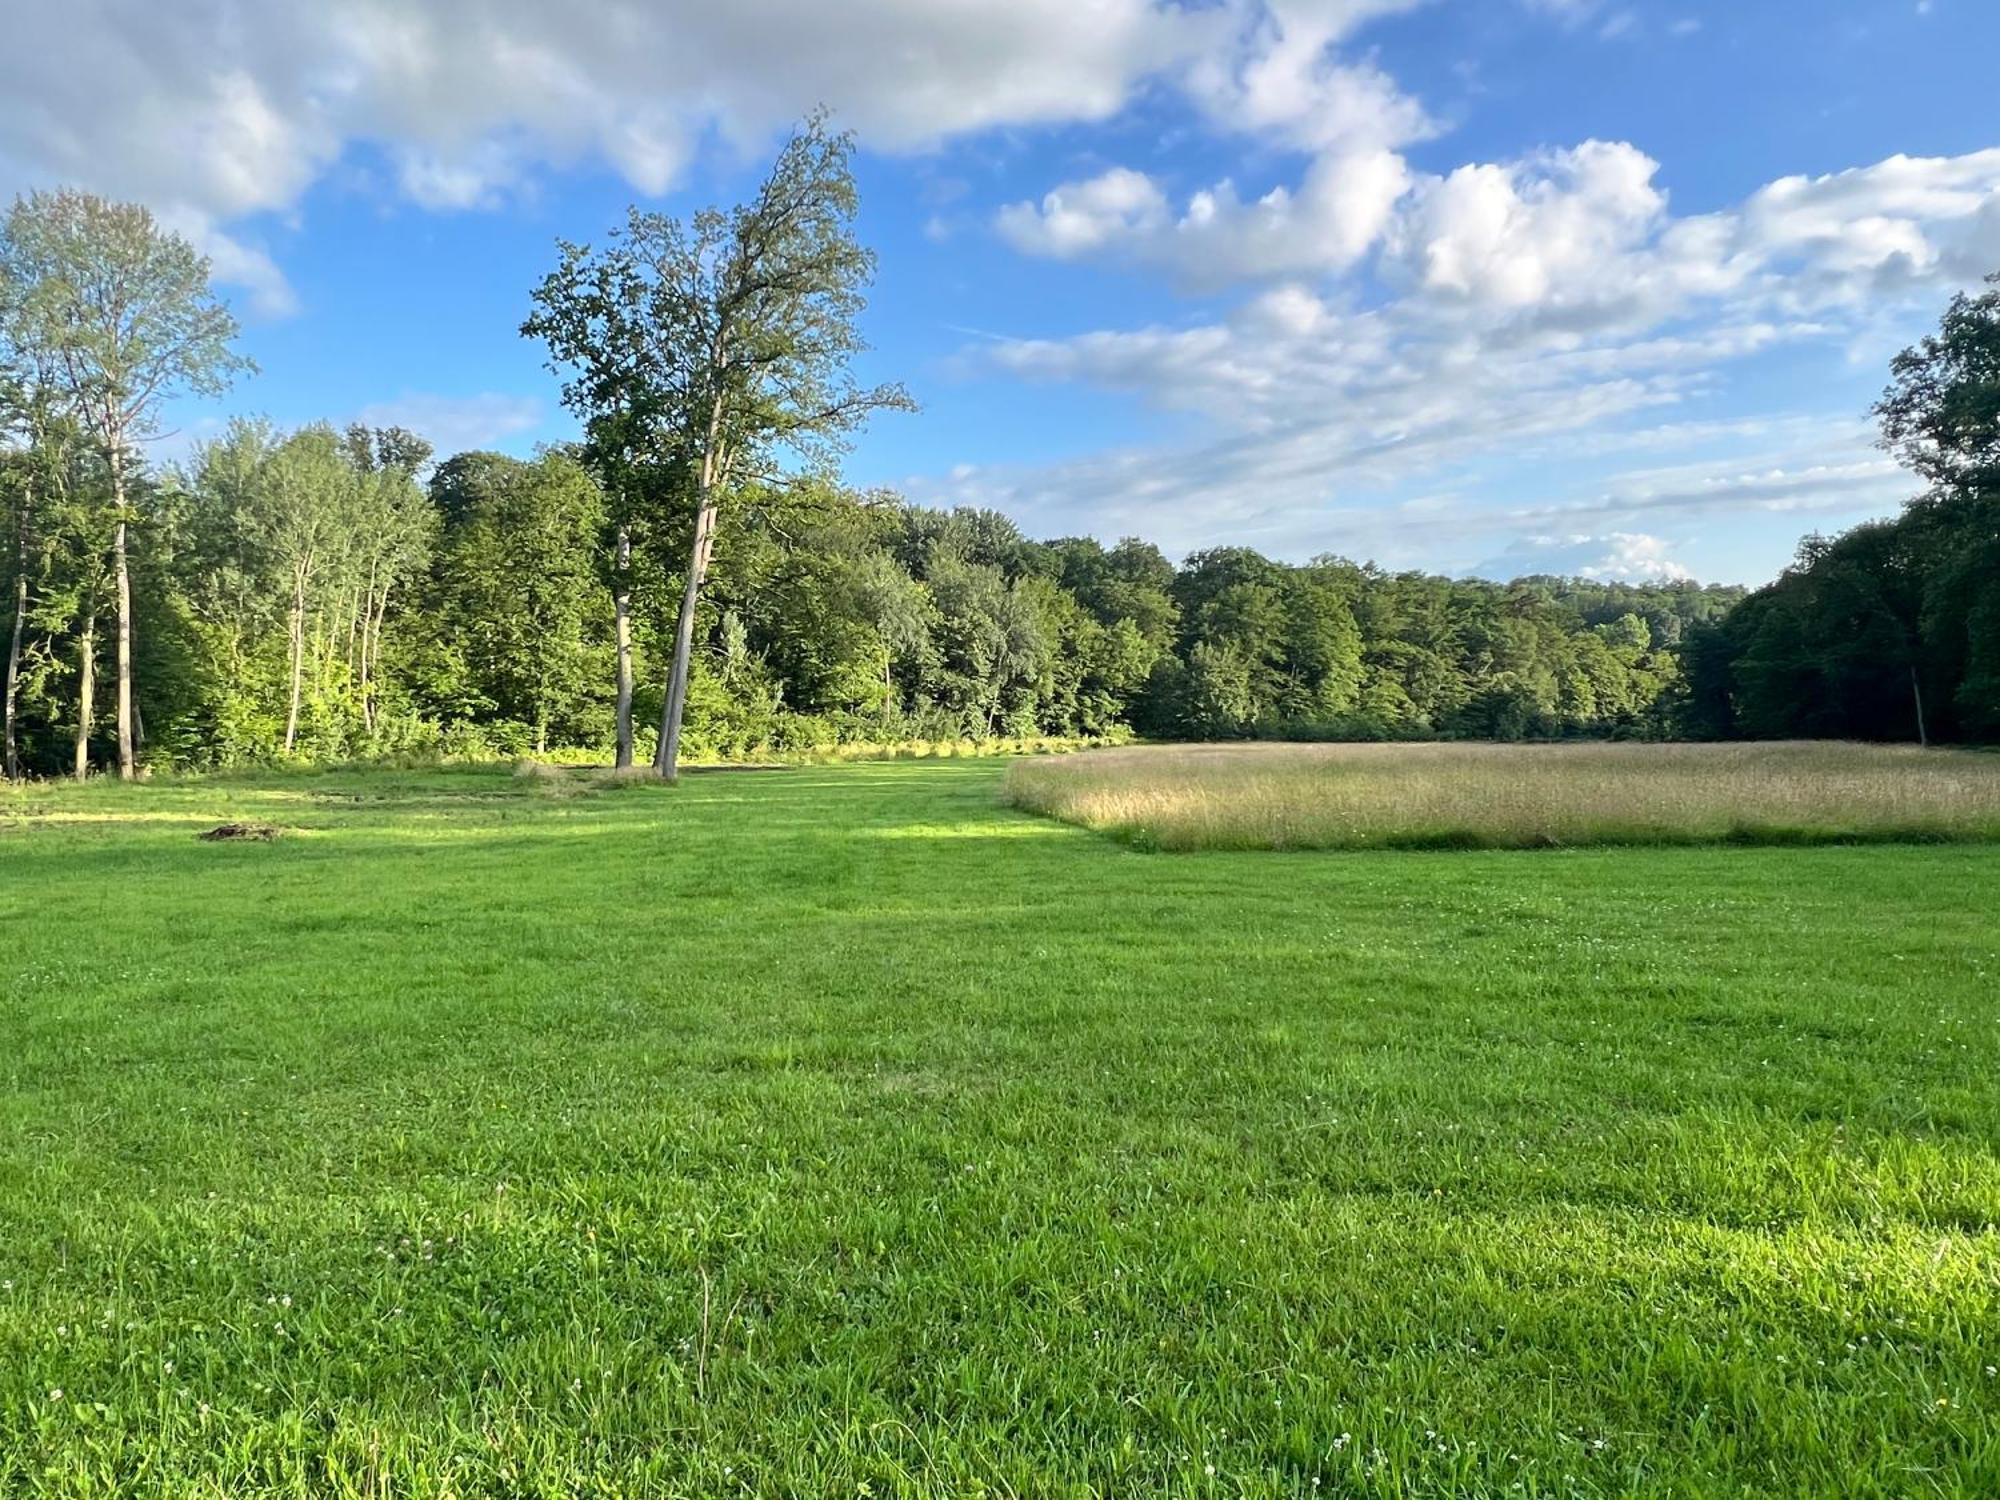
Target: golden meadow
{"points": [[1486, 796]]}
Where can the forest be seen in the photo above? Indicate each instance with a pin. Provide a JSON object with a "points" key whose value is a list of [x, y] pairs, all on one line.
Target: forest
{"points": [[308, 595], [338, 593], [1891, 631]]}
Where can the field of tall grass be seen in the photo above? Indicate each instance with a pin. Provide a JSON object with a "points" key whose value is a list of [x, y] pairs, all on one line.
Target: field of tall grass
{"points": [[1476, 796]]}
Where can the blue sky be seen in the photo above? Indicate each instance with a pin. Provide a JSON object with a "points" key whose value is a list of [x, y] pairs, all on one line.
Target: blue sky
{"points": [[1592, 286]]}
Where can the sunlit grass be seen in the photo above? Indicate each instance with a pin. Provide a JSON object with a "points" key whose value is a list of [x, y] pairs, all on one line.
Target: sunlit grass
{"points": [[843, 1132], [1468, 796]]}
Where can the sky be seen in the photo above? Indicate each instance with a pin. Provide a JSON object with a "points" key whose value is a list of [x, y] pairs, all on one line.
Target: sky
{"points": [[1595, 287]]}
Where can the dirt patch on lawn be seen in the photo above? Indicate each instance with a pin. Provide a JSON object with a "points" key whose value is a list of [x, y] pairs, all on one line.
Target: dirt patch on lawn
{"points": [[240, 833]]}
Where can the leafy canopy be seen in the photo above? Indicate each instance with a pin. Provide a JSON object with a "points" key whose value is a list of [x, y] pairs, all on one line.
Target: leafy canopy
{"points": [[116, 310]]}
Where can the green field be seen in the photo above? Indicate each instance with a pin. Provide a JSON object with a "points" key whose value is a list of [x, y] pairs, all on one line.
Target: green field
{"points": [[844, 1132]]}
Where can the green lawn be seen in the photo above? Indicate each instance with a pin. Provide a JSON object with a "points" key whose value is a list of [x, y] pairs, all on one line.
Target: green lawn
{"points": [[842, 1132]]}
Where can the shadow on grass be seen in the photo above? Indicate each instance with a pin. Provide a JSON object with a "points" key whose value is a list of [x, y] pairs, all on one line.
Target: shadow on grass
{"points": [[1472, 840]]}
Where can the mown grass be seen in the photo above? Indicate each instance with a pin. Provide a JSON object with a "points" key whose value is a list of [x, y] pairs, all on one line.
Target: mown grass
{"points": [[1478, 796], [845, 1133]]}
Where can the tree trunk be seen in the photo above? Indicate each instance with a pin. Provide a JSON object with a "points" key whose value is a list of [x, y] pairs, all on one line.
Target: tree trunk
{"points": [[298, 624], [714, 465], [86, 689], [361, 679], [357, 629], [324, 632], [358, 622], [128, 751], [1917, 692], [621, 609], [371, 652], [128, 744], [667, 759], [12, 753]]}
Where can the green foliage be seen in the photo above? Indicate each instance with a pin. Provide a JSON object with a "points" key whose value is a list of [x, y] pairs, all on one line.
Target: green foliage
{"points": [[1332, 650], [1215, 698], [53, 507], [705, 355], [283, 555], [1892, 631], [478, 607], [116, 311], [104, 317], [515, 599], [1941, 415], [299, 595]]}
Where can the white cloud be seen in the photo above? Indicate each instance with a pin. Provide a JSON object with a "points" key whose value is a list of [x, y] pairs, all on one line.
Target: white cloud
{"points": [[1337, 213], [1569, 12], [456, 424], [1531, 234], [217, 109], [1621, 557], [1301, 490], [1540, 306], [1080, 217], [1581, 238], [236, 262], [1387, 325], [1610, 23], [1283, 78], [1901, 223], [1797, 484]]}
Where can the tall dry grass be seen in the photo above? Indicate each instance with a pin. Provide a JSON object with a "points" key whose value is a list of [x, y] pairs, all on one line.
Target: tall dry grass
{"points": [[1443, 796]]}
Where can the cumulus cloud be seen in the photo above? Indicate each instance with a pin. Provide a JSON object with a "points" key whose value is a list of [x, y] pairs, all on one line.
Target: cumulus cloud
{"points": [[1282, 75], [1080, 217], [1551, 304], [1579, 238], [1217, 238], [1621, 557], [1310, 415], [1549, 229], [1904, 223], [1281, 79], [215, 110], [1384, 325]]}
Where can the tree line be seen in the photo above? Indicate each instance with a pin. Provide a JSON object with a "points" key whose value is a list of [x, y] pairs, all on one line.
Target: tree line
{"points": [[330, 594], [1892, 630], [103, 319], [694, 563]]}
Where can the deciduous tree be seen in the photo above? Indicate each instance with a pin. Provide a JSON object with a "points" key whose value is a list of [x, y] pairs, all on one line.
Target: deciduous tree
{"points": [[721, 348], [124, 316]]}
